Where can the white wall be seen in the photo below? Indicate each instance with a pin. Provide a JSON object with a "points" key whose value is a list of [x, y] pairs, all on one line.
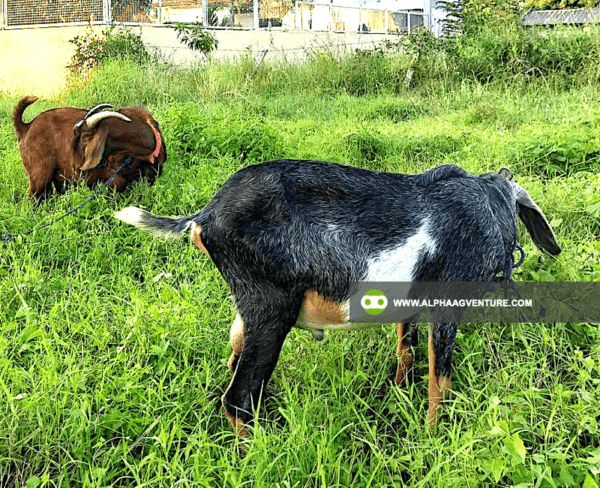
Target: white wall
{"points": [[33, 61]]}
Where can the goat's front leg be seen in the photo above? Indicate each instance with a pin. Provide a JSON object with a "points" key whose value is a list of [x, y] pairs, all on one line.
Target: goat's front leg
{"points": [[236, 339], [262, 326], [440, 345], [405, 358]]}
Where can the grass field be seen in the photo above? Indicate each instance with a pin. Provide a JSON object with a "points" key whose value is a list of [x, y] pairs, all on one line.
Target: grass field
{"points": [[113, 344]]}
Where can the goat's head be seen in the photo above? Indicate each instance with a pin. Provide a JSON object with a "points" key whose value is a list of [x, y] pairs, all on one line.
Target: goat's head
{"points": [[532, 216], [130, 131]]}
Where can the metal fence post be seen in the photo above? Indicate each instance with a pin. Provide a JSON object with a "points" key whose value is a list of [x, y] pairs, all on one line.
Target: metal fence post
{"points": [[408, 19], [160, 13], [296, 13], [2, 16], [255, 14], [205, 13], [107, 12], [427, 7], [386, 21]]}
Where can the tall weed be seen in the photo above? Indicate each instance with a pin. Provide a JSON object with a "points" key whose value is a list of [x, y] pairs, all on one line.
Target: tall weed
{"points": [[505, 52], [197, 135]]}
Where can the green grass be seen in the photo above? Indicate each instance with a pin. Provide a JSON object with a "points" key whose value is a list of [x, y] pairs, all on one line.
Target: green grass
{"points": [[113, 344]]}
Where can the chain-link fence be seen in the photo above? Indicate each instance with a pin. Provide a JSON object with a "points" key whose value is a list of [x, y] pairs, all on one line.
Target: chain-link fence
{"points": [[19, 13], [254, 14]]}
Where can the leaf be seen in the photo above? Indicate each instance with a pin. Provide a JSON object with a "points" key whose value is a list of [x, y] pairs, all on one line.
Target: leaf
{"points": [[589, 482], [555, 222], [516, 447], [497, 469], [501, 427], [565, 476], [33, 482], [593, 209]]}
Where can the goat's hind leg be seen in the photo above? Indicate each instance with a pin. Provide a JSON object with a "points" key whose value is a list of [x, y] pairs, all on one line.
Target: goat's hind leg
{"points": [[265, 325], [40, 189], [405, 358], [440, 345]]}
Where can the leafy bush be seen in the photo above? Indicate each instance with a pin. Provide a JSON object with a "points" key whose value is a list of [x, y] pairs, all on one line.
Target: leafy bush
{"points": [[196, 37], [398, 110], [89, 50], [122, 42], [244, 138], [569, 151], [560, 4], [92, 48], [495, 48]]}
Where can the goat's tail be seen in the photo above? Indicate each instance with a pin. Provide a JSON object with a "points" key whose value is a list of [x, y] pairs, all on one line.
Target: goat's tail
{"points": [[162, 226], [21, 127]]}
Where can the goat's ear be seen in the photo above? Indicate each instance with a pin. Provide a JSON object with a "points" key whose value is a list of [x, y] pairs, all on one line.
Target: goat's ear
{"points": [[506, 173], [95, 149], [536, 223]]}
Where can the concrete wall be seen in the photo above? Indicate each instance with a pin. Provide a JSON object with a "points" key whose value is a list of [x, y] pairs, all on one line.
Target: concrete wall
{"points": [[32, 61], [283, 45]]}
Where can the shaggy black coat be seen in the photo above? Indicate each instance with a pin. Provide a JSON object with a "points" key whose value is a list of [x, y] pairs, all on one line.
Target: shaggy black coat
{"points": [[279, 229]]}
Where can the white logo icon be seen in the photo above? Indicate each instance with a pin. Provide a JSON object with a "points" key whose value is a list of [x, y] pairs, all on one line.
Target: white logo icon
{"points": [[370, 302]]}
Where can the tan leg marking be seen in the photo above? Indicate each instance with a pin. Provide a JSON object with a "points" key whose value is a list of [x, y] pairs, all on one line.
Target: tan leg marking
{"points": [[236, 423], [438, 385], [319, 310], [434, 389], [196, 235], [236, 339], [405, 358]]}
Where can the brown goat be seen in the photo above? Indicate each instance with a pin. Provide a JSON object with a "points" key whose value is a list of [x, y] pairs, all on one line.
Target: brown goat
{"points": [[63, 145]]}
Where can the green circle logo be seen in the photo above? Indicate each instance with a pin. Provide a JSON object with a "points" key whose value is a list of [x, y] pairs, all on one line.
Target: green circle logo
{"points": [[374, 302]]}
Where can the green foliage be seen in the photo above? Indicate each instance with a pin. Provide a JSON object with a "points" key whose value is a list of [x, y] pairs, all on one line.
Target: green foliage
{"points": [[398, 109], [367, 146], [113, 343], [495, 48], [245, 138], [196, 37], [88, 51], [92, 48], [560, 4], [122, 42], [563, 153]]}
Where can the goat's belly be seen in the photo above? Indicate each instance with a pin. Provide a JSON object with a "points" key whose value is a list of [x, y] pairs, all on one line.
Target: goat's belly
{"points": [[319, 313]]}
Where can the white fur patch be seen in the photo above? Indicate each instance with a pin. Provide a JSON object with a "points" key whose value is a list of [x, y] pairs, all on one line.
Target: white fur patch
{"points": [[131, 215], [399, 263]]}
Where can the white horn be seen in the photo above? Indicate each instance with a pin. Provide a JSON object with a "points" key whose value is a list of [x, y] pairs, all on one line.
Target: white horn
{"points": [[94, 119], [97, 108]]}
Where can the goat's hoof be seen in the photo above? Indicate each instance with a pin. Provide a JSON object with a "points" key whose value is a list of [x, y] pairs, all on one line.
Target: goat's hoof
{"points": [[318, 334], [237, 424], [405, 379]]}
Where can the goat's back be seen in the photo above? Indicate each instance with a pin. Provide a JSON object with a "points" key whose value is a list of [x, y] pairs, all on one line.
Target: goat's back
{"points": [[323, 225], [51, 129]]}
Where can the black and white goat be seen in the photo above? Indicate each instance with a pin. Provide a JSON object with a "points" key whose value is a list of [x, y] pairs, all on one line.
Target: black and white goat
{"points": [[291, 237]]}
